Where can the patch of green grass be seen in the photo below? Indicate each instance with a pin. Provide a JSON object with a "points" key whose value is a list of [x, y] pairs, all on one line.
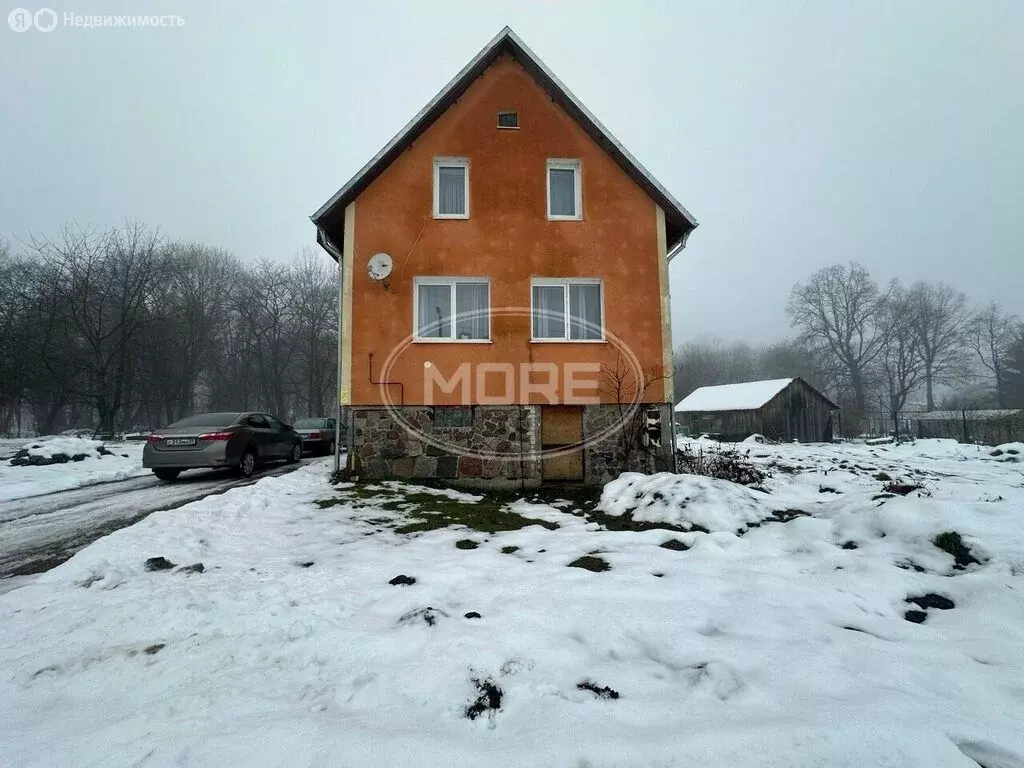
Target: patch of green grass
{"points": [[591, 563], [429, 511], [509, 550], [466, 544], [487, 516]]}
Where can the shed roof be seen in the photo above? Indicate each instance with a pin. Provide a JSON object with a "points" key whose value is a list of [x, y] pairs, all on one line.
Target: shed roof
{"points": [[747, 396], [330, 218]]}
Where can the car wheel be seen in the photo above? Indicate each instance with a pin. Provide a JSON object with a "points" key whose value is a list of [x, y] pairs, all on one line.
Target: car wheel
{"points": [[247, 463], [330, 449], [167, 474], [296, 453]]}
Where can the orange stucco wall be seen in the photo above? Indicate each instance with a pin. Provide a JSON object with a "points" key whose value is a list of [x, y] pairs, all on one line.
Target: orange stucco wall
{"points": [[507, 239]]}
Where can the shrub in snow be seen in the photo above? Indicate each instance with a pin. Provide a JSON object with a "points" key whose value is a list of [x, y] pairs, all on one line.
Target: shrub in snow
{"points": [[723, 464], [688, 502]]}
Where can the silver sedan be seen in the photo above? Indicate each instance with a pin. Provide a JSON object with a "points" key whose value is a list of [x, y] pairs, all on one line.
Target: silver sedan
{"points": [[238, 441]]}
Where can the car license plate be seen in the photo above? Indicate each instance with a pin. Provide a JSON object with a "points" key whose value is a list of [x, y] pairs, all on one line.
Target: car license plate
{"points": [[180, 442]]}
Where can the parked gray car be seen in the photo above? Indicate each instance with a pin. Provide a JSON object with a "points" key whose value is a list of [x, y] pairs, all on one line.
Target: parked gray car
{"points": [[317, 434], [238, 441]]}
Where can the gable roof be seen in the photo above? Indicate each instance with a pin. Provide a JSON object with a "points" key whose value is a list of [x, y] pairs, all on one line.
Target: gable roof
{"points": [[748, 396], [330, 218]]}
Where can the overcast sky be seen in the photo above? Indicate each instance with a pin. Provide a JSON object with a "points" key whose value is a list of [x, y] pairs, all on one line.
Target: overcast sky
{"points": [[798, 134]]}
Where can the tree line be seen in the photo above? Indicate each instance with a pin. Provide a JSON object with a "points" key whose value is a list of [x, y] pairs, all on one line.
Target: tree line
{"points": [[120, 329], [877, 349]]}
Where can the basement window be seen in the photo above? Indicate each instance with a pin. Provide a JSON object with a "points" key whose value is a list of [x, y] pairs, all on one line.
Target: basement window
{"points": [[508, 119], [453, 416]]}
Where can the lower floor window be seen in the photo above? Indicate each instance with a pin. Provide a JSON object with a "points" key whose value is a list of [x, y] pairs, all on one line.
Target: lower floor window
{"points": [[567, 310], [452, 309]]}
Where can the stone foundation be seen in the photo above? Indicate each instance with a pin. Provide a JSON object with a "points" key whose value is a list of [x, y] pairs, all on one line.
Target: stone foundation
{"points": [[605, 460], [502, 442]]}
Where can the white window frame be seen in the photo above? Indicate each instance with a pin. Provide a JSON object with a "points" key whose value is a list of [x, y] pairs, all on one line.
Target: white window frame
{"points": [[565, 164], [450, 162], [452, 282], [508, 112], [566, 282]]}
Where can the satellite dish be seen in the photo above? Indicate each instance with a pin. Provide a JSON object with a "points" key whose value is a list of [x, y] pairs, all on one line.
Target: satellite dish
{"points": [[379, 267]]}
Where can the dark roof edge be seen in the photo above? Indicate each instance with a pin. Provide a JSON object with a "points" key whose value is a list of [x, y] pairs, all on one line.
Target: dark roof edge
{"points": [[681, 220]]}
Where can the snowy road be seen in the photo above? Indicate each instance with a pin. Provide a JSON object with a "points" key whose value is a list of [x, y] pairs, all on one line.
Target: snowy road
{"points": [[41, 532]]}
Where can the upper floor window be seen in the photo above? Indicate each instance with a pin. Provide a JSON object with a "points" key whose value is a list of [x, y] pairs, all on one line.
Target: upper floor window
{"points": [[452, 309], [564, 198], [451, 188], [569, 309]]}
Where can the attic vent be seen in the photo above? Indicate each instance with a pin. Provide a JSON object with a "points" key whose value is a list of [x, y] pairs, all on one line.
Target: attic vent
{"points": [[508, 119]]}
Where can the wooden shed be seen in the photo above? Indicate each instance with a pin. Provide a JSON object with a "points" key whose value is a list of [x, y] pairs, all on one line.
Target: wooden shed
{"points": [[779, 409]]}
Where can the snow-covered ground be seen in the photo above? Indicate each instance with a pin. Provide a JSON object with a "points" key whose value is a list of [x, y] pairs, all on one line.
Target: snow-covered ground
{"points": [[777, 638], [19, 482]]}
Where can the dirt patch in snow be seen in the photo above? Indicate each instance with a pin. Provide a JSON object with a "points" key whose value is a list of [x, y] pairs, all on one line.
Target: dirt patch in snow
{"points": [[428, 616], [591, 563], [601, 691], [931, 600], [487, 700], [900, 489], [953, 543], [674, 544]]}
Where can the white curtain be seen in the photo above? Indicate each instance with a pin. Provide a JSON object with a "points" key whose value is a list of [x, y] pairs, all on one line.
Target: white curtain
{"points": [[548, 312], [563, 191], [451, 191], [471, 311], [435, 311], [585, 311]]}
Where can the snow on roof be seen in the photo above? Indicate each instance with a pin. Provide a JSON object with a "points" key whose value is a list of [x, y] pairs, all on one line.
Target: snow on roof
{"points": [[988, 414], [732, 397]]}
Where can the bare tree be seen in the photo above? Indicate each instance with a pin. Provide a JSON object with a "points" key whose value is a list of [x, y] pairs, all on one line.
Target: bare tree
{"points": [[939, 317], [99, 289], [628, 389], [314, 288], [991, 332], [1013, 364], [837, 310], [901, 364], [705, 362]]}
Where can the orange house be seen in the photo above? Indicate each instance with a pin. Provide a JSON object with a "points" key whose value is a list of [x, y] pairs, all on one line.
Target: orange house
{"points": [[504, 295]]}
